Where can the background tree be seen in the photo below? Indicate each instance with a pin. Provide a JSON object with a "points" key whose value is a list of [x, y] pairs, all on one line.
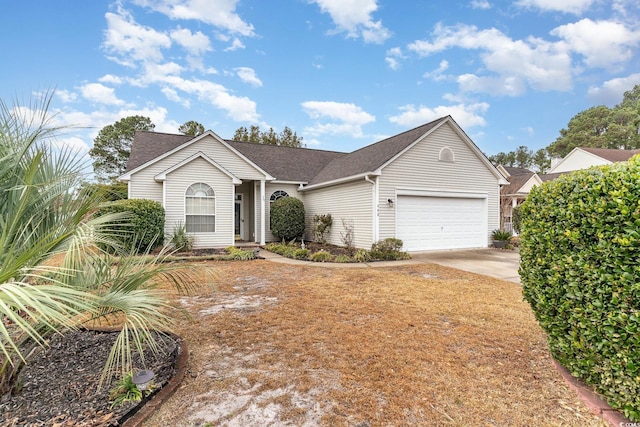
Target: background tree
{"points": [[603, 127], [541, 162], [286, 137], [191, 128], [112, 146]]}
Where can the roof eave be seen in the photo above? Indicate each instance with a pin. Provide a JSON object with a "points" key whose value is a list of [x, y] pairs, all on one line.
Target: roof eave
{"points": [[340, 180]]}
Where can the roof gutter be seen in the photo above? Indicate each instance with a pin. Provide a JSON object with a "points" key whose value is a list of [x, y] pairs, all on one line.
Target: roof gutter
{"points": [[341, 181]]}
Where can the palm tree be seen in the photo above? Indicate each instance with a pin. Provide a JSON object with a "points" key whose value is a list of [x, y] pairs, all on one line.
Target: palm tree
{"points": [[53, 277]]}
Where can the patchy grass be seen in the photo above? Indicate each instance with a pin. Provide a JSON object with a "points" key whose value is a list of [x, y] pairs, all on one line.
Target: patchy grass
{"points": [[414, 345]]}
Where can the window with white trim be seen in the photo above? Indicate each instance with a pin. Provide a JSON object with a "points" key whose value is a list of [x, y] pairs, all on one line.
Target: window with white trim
{"points": [[200, 209]]}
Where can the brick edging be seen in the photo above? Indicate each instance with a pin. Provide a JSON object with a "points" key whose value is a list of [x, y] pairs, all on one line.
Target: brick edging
{"points": [[591, 399]]}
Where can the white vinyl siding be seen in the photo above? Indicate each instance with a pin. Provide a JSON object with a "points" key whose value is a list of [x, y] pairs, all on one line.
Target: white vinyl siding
{"points": [[352, 202], [576, 160], [177, 183], [419, 169]]}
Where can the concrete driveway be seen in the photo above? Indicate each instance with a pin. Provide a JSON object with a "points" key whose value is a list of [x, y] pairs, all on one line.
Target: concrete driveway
{"points": [[497, 263]]}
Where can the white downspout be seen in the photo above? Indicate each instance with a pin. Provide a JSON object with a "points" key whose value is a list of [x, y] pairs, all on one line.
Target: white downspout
{"points": [[262, 212], [374, 207]]}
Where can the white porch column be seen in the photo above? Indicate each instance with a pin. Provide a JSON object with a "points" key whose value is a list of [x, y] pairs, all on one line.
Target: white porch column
{"points": [[262, 212]]}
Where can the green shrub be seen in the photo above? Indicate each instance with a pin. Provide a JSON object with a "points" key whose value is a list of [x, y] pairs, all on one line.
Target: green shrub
{"points": [[501, 235], [143, 230], [301, 253], [321, 256], [580, 240], [343, 259], [362, 255], [389, 249], [240, 254], [321, 227], [181, 241], [515, 219], [287, 218]]}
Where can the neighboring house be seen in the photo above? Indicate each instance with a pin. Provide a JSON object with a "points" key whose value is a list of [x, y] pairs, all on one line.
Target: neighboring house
{"points": [[585, 157], [429, 186], [521, 181]]}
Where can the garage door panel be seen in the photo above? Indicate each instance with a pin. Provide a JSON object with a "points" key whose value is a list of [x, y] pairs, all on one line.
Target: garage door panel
{"points": [[425, 223]]}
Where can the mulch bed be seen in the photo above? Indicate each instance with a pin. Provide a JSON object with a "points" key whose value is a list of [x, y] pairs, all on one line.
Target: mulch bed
{"points": [[59, 385]]}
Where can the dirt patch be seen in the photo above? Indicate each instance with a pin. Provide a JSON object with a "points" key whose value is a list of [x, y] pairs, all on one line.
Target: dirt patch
{"points": [[415, 345]]}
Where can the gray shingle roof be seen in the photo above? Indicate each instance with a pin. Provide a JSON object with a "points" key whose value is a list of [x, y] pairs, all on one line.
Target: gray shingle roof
{"points": [[289, 163], [612, 154]]}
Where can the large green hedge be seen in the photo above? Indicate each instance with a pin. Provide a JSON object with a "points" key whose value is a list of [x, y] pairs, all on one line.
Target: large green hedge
{"points": [[287, 218], [144, 229], [580, 270]]}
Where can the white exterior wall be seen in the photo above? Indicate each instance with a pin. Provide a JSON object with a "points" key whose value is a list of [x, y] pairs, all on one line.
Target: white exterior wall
{"points": [[176, 184], [419, 169], [270, 188], [578, 159], [352, 201]]}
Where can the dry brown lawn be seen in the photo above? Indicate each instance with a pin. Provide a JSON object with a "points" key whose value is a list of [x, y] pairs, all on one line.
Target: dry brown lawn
{"points": [[276, 344]]}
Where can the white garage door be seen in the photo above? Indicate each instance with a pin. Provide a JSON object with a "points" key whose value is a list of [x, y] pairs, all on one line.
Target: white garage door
{"points": [[426, 223]]}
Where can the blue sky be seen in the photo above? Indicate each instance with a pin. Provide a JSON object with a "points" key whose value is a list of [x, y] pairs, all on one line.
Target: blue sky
{"points": [[341, 73]]}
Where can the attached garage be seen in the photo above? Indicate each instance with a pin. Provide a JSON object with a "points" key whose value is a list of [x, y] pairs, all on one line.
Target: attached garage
{"points": [[442, 221]]}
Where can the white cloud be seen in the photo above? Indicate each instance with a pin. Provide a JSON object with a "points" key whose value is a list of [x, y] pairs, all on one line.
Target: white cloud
{"points": [[195, 43], [101, 94], [437, 73], [567, 6], [532, 62], [466, 115], [66, 96], [172, 95], [219, 13], [354, 18], [110, 79], [345, 118], [131, 42], [480, 4], [612, 91], [603, 44], [235, 45], [393, 57], [248, 75]]}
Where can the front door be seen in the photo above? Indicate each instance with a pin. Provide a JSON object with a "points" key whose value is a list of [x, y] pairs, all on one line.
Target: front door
{"points": [[238, 218]]}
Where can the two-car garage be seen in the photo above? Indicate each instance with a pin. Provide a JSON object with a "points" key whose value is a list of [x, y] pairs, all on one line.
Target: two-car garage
{"points": [[441, 221]]}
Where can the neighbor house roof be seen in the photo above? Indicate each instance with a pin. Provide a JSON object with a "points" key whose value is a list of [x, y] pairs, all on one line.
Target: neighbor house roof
{"points": [[512, 171], [612, 154], [517, 180]]}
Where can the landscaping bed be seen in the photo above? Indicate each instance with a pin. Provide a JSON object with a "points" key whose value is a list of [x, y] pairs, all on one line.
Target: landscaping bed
{"points": [[59, 386]]}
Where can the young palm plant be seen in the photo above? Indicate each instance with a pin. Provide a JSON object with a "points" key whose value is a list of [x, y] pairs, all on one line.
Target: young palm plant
{"points": [[53, 277]]}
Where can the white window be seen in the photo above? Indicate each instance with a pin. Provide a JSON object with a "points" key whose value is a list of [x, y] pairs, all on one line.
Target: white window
{"points": [[200, 209]]}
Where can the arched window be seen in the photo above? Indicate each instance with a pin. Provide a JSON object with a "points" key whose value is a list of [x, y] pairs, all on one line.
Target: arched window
{"points": [[446, 155], [277, 195], [200, 209]]}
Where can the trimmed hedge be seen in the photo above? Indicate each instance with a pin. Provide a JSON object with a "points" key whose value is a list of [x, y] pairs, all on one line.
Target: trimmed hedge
{"points": [[287, 218], [144, 230], [580, 270]]}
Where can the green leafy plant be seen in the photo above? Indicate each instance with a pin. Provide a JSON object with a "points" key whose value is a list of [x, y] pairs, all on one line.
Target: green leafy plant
{"points": [[321, 256], [125, 391], [181, 241], [516, 219], [301, 253], [579, 243], [343, 259], [287, 218], [501, 235], [362, 255], [240, 254], [321, 227], [389, 249]]}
